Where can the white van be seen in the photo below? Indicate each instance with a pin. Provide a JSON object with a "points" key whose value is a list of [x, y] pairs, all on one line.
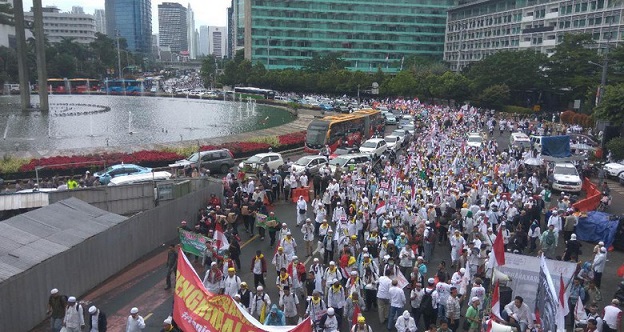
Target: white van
{"points": [[139, 178], [519, 141], [566, 178], [536, 142]]}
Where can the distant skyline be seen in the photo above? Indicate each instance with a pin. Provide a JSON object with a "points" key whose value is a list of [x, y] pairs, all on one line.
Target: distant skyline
{"points": [[207, 12]]}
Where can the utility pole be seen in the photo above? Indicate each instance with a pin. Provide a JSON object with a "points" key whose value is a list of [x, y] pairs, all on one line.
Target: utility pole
{"points": [[42, 72], [603, 77], [268, 52], [123, 83], [22, 65]]}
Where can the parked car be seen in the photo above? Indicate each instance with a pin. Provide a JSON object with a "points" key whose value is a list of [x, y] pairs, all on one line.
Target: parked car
{"points": [[374, 146], [311, 164], [342, 151], [217, 161], [257, 161], [106, 175], [349, 161], [614, 169], [394, 142], [140, 178], [565, 177]]}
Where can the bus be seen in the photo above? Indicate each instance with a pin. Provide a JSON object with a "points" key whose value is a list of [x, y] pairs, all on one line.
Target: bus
{"points": [[336, 130], [263, 93], [128, 86], [58, 86], [84, 85]]}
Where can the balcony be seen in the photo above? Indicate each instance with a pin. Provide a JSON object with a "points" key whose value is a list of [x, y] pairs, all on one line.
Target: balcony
{"points": [[551, 15], [527, 19], [525, 44]]}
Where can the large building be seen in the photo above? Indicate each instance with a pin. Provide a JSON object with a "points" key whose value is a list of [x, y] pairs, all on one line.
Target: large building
{"points": [[202, 42], [190, 33], [132, 20], [367, 33], [213, 40], [58, 26], [479, 28], [173, 27], [100, 20]]}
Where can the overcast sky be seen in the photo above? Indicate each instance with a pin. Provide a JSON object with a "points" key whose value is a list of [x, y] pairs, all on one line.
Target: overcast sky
{"points": [[207, 12]]}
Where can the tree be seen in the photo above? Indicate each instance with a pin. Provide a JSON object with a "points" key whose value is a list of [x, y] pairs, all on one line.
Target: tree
{"points": [[322, 63], [451, 86], [403, 84], [612, 106], [569, 69], [616, 147], [494, 97], [208, 70]]}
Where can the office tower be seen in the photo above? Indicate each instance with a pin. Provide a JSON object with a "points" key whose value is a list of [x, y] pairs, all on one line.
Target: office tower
{"points": [[190, 32], [132, 20], [58, 26], [100, 20], [172, 26]]}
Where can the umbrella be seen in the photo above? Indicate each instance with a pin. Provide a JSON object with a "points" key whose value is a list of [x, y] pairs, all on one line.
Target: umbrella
{"points": [[533, 161]]}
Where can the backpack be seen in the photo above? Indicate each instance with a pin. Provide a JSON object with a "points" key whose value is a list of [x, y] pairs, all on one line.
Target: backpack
{"points": [[274, 181], [426, 304], [550, 238], [431, 235]]}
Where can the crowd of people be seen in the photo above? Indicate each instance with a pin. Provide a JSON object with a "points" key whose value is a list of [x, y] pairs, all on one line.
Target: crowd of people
{"points": [[372, 233]]}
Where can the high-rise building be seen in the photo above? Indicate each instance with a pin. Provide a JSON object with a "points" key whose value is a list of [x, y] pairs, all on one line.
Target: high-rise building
{"points": [[172, 26], [7, 31], [478, 28], [202, 45], [217, 41], [231, 25], [100, 20], [58, 26], [77, 10], [190, 32], [132, 20], [367, 34]]}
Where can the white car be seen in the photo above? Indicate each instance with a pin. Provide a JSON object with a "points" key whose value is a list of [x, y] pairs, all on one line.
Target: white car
{"points": [[393, 142], [374, 146], [566, 178], [475, 140], [257, 161], [614, 169], [349, 161], [310, 163]]}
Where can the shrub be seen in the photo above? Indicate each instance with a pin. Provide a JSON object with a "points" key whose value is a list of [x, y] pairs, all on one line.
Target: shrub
{"points": [[616, 147], [9, 164], [270, 140]]}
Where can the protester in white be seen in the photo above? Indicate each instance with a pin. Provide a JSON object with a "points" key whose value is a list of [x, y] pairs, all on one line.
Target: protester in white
{"points": [[308, 236], [330, 323], [231, 283], [280, 260], [302, 209], [74, 316], [135, 321], [290, 246], [520, 312], [478, 291], [405, 323], [555, 220], [213, 280], [259, 301]]}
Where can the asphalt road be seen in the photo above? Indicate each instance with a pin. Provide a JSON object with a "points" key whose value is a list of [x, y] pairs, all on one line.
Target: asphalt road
{"points": [[142, 284]]}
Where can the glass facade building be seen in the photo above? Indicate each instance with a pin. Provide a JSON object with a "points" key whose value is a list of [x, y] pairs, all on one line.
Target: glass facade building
{"points": [[476, 29], [173, 27], [132, 20], [368, 33]]}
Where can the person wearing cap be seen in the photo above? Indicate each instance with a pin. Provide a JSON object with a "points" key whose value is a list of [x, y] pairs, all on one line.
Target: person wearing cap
{"points": [[383, 296], [354, 302], [213, 280], [573, 249], [289, 304], [258, 268], [245, 295], [315, 307], [336, 296], [290, 246], [405, 323], [416, 296], [297, 271], [428, 304], [429, 241], [57, 304], [361, 326], [273, 226], [231, 283], [477, 290], [397, 302], [329, 322], [172, 263], [260, 303], [548, 241], [74, 316], [612, 317], [302, 210], [168, 325], [598, 266], [280, 260], [472, 315], [308, 236], [329, 245], [135, 322], [97, 320]]}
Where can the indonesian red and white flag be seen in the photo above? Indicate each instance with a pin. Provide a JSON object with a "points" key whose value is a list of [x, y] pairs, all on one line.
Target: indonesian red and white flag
{"points": [[221, 241], [498, 249], [496, 305], [562, 308], [579, 311], [381, 208]]}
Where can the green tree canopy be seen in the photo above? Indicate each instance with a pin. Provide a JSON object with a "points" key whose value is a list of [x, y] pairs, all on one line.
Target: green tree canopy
{"points": [[612, 106]]}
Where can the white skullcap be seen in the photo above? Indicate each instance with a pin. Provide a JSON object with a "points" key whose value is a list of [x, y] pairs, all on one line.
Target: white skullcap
{"points": [[330, 311], [54, 291], [259, 288], [462, 270], [475, 299], [71, 299], [134, 310], [167, 321], [92, 309]]}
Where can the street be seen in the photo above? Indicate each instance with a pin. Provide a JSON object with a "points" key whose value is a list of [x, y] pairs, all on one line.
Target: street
{"points": [[142, 285]]}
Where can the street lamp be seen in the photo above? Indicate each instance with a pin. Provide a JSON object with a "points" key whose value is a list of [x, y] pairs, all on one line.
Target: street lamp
{"points": [[603, 77]]}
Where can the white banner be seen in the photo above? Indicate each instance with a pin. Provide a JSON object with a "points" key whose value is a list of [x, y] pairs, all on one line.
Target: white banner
{"points": [[524, 273]]}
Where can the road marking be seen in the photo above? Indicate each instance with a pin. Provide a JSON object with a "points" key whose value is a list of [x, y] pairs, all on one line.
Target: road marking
{"points": [[310, 257], [147, 316], [249, 241]]}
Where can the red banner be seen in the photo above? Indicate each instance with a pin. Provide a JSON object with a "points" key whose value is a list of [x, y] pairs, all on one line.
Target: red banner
{"points": [[196, 309]]}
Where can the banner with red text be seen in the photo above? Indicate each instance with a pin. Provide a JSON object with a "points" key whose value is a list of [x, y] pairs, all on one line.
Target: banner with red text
{"points": [[196, 309]]}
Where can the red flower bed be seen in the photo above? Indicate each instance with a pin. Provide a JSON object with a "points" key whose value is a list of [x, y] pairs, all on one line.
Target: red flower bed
{"points": [[292, 138]]}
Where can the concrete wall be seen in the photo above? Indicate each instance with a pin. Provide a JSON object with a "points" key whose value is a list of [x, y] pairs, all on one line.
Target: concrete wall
{"points": [[85, 266], [123, 200]]}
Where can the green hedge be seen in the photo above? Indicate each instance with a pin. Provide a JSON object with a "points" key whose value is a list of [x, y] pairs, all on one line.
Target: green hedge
{"points": [[517, 109]]}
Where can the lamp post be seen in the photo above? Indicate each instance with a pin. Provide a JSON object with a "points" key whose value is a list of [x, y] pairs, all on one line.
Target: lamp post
{"points": [[268, 52], [603, 77]]}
